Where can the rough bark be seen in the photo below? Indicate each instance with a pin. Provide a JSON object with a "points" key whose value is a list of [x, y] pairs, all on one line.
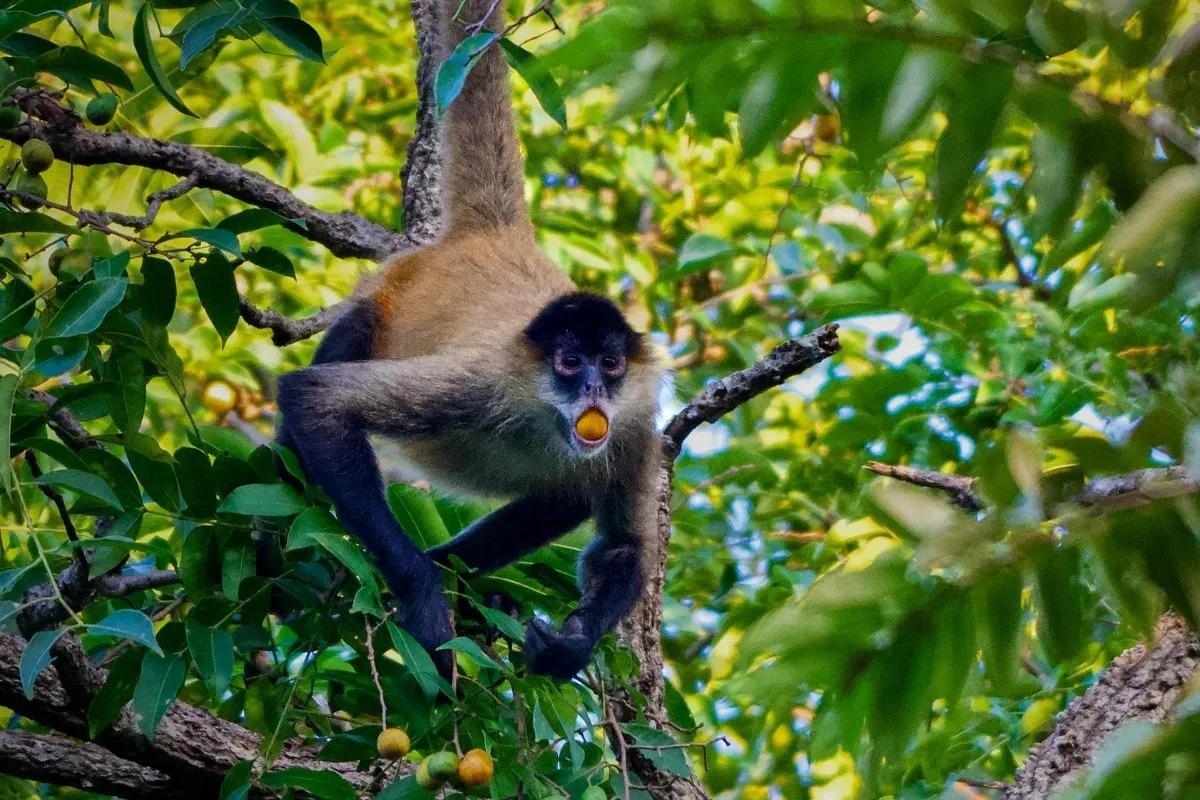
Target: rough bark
{"points": [[641, 632], [1144, 682], [193, 747], [68, 762]]}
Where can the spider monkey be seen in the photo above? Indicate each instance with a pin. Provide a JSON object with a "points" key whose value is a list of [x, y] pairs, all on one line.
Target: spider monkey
{"points": [[496, 377]]}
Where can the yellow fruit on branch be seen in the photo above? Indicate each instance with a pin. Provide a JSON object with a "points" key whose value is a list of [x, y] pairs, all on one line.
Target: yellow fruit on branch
{"points": [[476, 769], [392, 743], [219, 397]]}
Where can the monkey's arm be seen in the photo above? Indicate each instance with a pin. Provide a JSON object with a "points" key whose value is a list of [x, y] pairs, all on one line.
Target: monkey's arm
{"points": [[328, 411], [519, 528], [611, 574]]}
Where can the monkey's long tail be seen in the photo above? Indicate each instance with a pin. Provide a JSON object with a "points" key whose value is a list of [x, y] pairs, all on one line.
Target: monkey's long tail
{"points": [[484, 176]]}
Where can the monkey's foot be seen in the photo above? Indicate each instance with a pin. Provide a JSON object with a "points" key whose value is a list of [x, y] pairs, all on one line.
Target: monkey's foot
{"points": [[560, 655]]}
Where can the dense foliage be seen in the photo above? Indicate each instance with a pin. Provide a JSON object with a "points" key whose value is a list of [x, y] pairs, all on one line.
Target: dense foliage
{"points": [[999, 202]]}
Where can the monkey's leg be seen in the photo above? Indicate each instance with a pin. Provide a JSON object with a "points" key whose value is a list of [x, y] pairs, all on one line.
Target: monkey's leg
{"points": [[330, 408], [519, 528]]}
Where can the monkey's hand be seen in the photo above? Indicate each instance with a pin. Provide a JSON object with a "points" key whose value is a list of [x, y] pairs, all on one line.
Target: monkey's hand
{"points": [[427, 618], [558, 654]]}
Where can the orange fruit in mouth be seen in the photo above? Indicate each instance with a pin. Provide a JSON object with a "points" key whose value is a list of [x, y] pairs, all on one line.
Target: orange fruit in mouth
{"points": [[592, 425]]}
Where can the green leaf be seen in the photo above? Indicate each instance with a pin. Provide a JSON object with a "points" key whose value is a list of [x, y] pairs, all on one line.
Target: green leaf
{"points": [[117, 690], [154, 472], [468, 648], [237, 563], [17, 306], [781, 90], [663, 751], [1064, 622], [212, 653], [218, 292], [540, 81], [196, 482], [405, 788], [127, 623], [263, 500], [418, 662], [84, 484], [698, 253], [232, 145], [272, 259], [8, 393], [218, 237], [297, 35], [160, 681], [998, 615], [86, 308], [322, 783], [199, 563], [452, 74], [36, 657], [871, 70], [972, 119], [149, 59], [31, 222], [310, 521], [202, 34], [901, 696], [1055, 183], [127, 400], [917, 81], [71, 63], [253, 219], [416, 510], [158, 291], [352, 557]]}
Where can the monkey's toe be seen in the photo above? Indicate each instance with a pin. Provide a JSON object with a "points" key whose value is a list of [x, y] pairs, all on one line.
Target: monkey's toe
{"points": [[558, 655]]}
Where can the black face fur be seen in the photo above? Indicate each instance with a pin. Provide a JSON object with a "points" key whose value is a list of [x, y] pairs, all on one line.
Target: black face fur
{"points": [[587, 329]]}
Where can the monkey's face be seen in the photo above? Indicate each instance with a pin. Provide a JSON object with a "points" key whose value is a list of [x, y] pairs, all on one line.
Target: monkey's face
{"points": [[586, 348], [586, 386]]}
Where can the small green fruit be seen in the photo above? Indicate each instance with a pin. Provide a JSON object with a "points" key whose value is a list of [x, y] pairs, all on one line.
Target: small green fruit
{"points": [[33, 185], [101, 108], [36, 156], [425, 780], [10, 116], [56, 259], [76, 261], [593, 793], [443, 766]]}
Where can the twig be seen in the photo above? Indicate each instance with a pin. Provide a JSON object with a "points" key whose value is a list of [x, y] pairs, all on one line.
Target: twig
{"points": [[284, 330], [722, 396], [960, 487], [60, 504], [370, 636], [154, 203]]}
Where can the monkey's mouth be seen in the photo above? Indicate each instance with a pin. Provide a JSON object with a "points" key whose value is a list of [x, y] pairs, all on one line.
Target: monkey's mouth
{"points": [[591, 429]]}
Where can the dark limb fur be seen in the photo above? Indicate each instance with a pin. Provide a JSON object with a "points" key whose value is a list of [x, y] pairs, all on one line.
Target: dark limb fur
{"points": [[519, 528]]}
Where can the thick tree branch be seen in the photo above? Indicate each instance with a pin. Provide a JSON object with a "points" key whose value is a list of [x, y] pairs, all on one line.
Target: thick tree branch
{"points": [[345, 234], [642, 631], [1141, 683], [193, 747], [69, 762]]}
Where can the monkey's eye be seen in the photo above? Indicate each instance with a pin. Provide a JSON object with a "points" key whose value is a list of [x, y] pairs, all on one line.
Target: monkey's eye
{"points": [[567, 363], [613, 366]]}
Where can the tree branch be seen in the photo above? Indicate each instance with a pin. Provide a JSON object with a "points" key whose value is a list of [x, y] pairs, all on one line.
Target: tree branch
{"points": [[285, 330], [345, 234], [960, 487], [641, 632], [69, 762], [1141, 683], [788, 359]]}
